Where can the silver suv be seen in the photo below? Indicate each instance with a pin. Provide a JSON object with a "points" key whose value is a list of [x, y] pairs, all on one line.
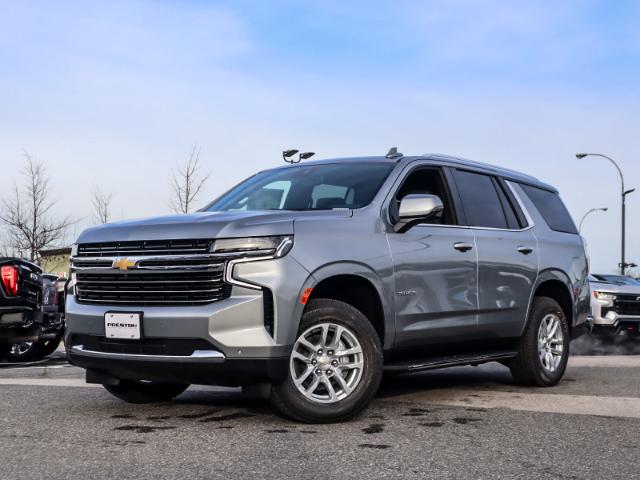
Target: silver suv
{"points": [[312, 279]]}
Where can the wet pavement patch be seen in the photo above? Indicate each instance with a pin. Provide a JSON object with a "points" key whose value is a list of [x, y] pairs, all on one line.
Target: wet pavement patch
{"points": [[156, 418], [432, 424], [308, 431], [206, 413], [371, 445], [123, 415], [142, 428], [416, 412], [466, 420], [277, 430], [231, 416], [374, 428]]}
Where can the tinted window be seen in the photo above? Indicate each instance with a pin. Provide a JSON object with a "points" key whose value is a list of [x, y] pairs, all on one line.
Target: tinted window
{"points": [[480, 200], [307, 187], [551, 208]]}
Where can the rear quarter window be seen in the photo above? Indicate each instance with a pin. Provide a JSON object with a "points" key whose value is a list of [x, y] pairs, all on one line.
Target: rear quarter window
{"points": [[551, 208]]}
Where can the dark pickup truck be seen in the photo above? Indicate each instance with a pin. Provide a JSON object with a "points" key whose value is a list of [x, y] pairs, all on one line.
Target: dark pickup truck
{"points": [[20, 302]]}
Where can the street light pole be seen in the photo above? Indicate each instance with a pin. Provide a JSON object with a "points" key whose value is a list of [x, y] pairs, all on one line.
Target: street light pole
{"points": [[624, 193], [604, 209]]}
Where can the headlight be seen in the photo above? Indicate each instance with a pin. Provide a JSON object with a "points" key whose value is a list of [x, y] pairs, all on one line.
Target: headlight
{"points": [[604, 295], [74, 250], [275, 247]]}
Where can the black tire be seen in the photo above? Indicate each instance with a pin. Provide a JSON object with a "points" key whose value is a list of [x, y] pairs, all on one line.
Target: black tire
{"points": [[290, 402], [24, 352], [4, 350], [47, 347], [527, 368], [132, 391]]}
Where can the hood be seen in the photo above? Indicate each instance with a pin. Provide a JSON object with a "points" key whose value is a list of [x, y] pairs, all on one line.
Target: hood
{"points": [[203, 225], [615, 288]]}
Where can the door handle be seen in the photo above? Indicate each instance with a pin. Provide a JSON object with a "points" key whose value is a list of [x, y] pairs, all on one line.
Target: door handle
{"points": [[525, 250], [463, 247]]}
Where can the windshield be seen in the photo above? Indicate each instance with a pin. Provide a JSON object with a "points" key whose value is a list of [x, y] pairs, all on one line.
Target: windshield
{"points": [[618, 279], [308, 187]]}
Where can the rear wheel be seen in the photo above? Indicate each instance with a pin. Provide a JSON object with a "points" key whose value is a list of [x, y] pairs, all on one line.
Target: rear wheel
{"points": [[335, 367], [47, 347], [544, 347], [23, 352], [134, 391]]}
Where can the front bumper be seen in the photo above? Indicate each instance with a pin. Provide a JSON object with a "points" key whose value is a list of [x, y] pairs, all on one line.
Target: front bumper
{"points": [[204, 367]]}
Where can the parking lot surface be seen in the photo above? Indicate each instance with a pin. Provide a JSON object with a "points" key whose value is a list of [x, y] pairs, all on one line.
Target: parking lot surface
{"points": [[469, 422]]}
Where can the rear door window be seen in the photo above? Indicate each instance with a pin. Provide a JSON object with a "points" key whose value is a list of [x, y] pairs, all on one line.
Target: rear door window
{"points": [[551, 208], [480, 200]]}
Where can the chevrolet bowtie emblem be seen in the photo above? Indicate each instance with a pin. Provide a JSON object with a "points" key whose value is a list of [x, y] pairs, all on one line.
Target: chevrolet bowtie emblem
{"points": [[123, 263]]}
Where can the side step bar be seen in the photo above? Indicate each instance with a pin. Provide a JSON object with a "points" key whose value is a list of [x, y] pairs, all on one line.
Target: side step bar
{"points": [[450, 361]]}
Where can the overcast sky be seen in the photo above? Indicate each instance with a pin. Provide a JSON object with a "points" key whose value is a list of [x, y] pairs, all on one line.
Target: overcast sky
{"points": [[114, 94]]}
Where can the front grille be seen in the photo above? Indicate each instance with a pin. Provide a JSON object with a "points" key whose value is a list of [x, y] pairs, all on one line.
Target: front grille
{"points": [[161, 288], [146, 346], [626, 307], [153, 273], [144, 247]]}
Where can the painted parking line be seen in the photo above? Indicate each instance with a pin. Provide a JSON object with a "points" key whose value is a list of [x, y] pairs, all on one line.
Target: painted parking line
{"points": [[624, 407], [48, 382], [606, 361]]}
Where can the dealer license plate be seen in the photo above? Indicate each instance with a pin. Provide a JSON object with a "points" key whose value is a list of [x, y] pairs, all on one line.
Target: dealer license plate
{"points": [[122, 325]]}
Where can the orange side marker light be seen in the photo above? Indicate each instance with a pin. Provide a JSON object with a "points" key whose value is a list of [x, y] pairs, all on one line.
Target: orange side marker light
{"points": [[305, 296]]}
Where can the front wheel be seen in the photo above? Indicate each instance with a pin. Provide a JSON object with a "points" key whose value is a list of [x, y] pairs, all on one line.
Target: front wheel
{"points": [[335, 367], [133, 391], [544, 347]]}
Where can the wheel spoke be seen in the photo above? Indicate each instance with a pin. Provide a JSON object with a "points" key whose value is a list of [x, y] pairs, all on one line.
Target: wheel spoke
{"points": [[351, 365], [330, 390], [335, 343], [308, 345], [349, 351], [553, 327], [312, 387], [301, 379], [299, 356], [343, 383], [325, 333]]}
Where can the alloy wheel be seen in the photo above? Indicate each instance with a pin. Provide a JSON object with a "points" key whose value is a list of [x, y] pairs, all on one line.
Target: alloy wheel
{"points": [[326, 363], [550, 342]]}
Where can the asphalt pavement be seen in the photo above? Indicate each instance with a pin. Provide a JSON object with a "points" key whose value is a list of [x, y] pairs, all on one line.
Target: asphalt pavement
{"points": [[467, 423]]}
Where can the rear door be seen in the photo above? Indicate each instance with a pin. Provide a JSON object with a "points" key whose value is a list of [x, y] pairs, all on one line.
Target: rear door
{"points": [[507, 253], [435, 270]]}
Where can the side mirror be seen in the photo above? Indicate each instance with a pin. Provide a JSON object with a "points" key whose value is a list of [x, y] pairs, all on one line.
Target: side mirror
{"points": [[418, 208]]}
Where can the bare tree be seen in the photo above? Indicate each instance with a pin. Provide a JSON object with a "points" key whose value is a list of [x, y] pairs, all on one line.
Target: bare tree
{"points": [[27, 215], [187, 183], [101, 206]]}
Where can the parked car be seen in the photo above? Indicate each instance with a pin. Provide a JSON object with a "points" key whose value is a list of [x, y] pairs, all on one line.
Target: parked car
{"points": [[615, 304], [51, 328], [20, 302], [308, 280]]}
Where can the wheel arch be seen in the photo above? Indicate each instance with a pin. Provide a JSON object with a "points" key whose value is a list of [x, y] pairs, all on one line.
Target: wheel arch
{"points": [[555, 284], [359, 286]]}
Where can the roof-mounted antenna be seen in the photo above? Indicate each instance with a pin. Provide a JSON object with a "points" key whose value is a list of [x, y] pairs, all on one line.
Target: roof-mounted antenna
{"points": [[393, 153], [287, 154], [305, 155]]}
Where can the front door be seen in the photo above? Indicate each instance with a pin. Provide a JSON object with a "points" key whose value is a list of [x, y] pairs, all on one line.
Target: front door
{"points": [[435, 268]]}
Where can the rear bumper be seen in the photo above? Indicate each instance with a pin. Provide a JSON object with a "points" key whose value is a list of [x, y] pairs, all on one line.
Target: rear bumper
{"points": [[204, 367], [19, 324]]}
